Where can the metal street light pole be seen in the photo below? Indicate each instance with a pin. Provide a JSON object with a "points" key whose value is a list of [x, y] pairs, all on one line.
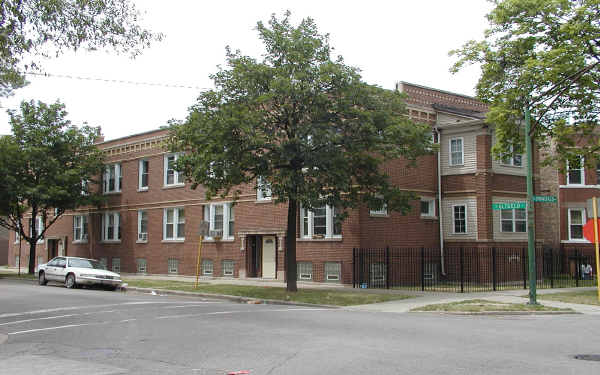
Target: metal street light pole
{"points": [[530, 217]]}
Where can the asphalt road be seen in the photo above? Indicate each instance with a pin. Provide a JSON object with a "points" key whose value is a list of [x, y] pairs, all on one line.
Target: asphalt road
{"points": [[53, 330]]}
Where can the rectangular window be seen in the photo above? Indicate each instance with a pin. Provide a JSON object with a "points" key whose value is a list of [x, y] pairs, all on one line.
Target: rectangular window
{"points": [[174, 224], [221, 218], [378, 273], [141, 265], [104, 262], [143, 173], [428, 207], [111, 226], [575, 172], [576, 222], [228, 266], [207, 267], [380, 212], [456, 151], [40, 260], [305, 271], [116, 265], [142, 226], [112, 178], [172, 177], [460, 219], [80, 228], [512, 159], [173, 265], [514, 220], [18, 234], [263, 190], [333, 271], [322, 222], [18, 261], [39, 228]]}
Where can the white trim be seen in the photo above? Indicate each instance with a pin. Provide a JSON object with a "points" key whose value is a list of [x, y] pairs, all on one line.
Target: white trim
{"points": [[106, 178], [105, 225], [581, 168], [84, 234], [462, 152], [260, 196], [431, 212], [139, 226], [140, 173], [583, 220], [329, 225], [513, 220], [176, 235], [209, 215], [466, 219]]}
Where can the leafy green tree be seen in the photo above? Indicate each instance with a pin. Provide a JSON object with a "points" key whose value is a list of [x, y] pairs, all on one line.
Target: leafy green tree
{"points": [[303, 123], [47, 164], [544, 55], [30, 28]]}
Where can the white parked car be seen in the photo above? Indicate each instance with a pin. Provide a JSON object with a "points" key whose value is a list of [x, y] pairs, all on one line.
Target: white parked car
{"points": [[74, 271]]}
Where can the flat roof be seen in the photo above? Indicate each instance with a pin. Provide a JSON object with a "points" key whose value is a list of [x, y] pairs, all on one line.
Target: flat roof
{"points": [[438, 90]]}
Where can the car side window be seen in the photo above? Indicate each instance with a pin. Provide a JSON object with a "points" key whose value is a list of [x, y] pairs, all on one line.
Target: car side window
{"points": [[60, 262], [52, 263]]}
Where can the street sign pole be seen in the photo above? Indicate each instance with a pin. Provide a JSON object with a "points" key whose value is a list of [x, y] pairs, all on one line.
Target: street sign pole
{"points": [[596, 244], [530, 218], [204, 229]]}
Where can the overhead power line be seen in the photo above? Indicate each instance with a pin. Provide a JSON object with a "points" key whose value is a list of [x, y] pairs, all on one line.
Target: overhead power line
{"points": [[120, 81]]}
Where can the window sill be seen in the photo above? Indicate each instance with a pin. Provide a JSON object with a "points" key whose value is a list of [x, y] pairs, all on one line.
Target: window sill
{"points": [[79, 242], [579, 186], [174, 186], [460, 234], [138, 241], [456, 165], [429, 217], [576, 241], [510, 166], [180, 240], [112, 192], [142, 190], [326, 239], [378, 215], [229, 239], [110, 241], [260, 201]]}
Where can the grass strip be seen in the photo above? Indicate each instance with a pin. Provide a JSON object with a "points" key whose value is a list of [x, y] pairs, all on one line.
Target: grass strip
{"points": [[7, 274], [585, 297], [481, 305], [315, 296]]}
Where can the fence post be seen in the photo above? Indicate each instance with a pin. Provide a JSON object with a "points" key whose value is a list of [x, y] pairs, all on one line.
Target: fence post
{"points": [[462, 269], [354, 263], [551, 268], [422, 268], [576, 268], [524, 264], [387, 267], [494, 278]]}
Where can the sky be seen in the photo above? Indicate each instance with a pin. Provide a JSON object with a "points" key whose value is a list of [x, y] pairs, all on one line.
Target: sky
{"points": [[390, 41]]}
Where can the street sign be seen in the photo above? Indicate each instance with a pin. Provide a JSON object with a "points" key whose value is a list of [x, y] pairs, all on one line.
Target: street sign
{"points": [[508, 206], [545, 198], [588, 230], [204, 228]]}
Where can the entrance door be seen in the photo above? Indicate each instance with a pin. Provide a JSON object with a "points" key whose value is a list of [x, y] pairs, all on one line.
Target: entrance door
{"points": [[268, 258], [52, 249]]}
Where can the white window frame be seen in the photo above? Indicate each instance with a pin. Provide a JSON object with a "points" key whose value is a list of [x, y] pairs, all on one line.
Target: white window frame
{"points": [[39, 227], [142, 236], [582, 169], [173, 266], [141, 173], [138, 263], [83, 229], [263, 190], [116, 226], [116, 261], [176, 221], [466, 219], [431, 212], [228, 261], [513, 220], [106, 178], [509, 159], [209, 215], [583, 220], [310, 271], [18, 234], [462, 151], [208, 271], [329, 223], [176, 175], [338, 274]]}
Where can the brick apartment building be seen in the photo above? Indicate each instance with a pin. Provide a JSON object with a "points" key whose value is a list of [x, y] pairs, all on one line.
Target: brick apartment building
{"points": [[150, 222]]}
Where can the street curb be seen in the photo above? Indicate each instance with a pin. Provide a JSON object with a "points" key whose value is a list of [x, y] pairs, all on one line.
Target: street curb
{"points": [[498, 313], [18, 279], [238, 299]]}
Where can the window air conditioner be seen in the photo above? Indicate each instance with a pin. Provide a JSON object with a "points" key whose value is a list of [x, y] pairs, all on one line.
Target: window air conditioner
{"points": [[143, 236]]}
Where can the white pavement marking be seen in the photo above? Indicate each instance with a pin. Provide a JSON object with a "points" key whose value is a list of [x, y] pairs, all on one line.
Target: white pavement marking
{"points": [[188, 305], [54, 328], [55, 317], [239, 311]]}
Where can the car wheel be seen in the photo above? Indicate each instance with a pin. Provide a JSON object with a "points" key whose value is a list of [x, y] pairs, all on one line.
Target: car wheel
{"points": [[42, 279], [70, 281]]}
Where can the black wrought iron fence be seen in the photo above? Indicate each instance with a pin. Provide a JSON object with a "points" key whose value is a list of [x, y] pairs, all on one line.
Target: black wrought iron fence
{"points": [[469, 269]]}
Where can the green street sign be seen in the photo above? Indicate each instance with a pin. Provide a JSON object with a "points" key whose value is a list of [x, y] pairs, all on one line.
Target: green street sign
{"points": [[545, 198], [508, 206]]}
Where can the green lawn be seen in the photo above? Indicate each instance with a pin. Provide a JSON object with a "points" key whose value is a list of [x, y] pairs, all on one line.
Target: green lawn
{"points": [[23, 275], [480, 305], [316, 296], [586, 297]]}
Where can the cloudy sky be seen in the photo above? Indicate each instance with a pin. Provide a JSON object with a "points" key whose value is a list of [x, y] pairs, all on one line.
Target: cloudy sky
{"points": [[402, 40]]}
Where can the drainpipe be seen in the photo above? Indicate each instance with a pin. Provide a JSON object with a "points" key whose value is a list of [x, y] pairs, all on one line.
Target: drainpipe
{"points": [[439, 181]]}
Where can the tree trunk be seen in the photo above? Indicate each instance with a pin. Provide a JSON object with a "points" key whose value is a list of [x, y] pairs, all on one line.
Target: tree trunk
{"points": [[32, 246], [290, 247]]}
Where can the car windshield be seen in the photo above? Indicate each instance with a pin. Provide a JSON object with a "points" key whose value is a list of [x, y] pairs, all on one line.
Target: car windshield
{"points": [[86, 263]]}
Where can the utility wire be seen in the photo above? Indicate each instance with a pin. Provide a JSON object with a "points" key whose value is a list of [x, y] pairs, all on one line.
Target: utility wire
{"points": [[137, 83]]}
